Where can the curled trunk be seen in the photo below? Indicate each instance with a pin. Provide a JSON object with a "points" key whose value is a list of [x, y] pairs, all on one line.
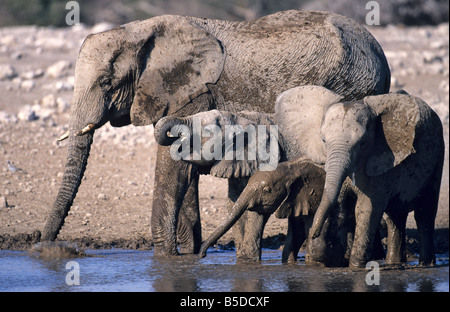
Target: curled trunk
{"points": [[78, 153], [166, 130]]}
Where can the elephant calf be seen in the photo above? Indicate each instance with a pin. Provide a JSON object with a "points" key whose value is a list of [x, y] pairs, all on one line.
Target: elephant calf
{"points": [[293, 190]]}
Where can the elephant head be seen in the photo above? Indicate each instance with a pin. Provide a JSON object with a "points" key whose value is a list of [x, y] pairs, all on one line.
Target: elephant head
{"points": [[229, 145], [293, 189], [352, 139], [136, 73]]}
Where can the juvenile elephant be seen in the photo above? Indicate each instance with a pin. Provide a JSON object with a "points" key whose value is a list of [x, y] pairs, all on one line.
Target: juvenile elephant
{"points": [[293, 190], [390, 145], [220, 143], [139, 72]]}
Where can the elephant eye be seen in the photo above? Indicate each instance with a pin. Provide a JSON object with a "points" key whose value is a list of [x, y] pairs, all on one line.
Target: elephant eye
{"points": [[266, 189], [105, 81]]}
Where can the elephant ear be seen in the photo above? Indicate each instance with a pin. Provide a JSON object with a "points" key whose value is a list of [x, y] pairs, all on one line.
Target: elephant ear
{"points": [[305, 192], [178, 61], [399, 115], [256, 138], [299, 113]]}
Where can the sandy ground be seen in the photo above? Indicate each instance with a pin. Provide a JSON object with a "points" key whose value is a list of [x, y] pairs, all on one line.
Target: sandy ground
{"points": [[114, 201]]}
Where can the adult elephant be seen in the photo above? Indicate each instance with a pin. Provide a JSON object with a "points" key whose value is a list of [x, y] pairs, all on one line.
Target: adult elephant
{"points": [[173, 65]]}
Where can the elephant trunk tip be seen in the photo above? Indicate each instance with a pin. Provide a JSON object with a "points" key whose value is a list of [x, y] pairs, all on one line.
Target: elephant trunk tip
{"points": [[202, 252], [162, 132]]}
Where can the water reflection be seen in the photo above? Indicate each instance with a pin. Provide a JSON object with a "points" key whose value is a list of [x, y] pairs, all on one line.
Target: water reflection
{"points": [[124, 270]]}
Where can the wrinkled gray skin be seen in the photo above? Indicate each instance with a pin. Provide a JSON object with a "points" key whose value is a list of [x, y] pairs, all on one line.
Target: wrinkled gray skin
{"points": [[269, 186], [213, 126], [294, 191], [390, 145], [171, 65]]}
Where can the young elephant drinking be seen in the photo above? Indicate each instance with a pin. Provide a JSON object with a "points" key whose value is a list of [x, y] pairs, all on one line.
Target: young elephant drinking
{"points": [[293, 190]]}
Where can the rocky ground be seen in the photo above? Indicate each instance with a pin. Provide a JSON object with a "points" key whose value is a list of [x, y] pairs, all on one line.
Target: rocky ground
{"points": [[114, 201]]}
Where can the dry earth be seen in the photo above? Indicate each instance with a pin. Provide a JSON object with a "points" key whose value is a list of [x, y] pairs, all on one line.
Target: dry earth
{"points": [[114, 201]]}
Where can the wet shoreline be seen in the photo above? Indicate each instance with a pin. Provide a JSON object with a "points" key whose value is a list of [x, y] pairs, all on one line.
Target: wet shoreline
{"points": [[131, 270]]}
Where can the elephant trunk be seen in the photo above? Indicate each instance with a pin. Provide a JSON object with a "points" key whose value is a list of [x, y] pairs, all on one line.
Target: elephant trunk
{"points": [[78, 153], [244, 201], [336, 167], [168, 129]]}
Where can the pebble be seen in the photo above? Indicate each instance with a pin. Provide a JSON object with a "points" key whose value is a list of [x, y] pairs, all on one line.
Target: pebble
{"points": [[58, 69], [3, 202], [27, 113], [27, 85], [7, 118], [7, 72]]}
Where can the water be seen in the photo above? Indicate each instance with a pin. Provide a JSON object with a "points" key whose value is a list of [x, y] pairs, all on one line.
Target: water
{"points": [[131, 270]]}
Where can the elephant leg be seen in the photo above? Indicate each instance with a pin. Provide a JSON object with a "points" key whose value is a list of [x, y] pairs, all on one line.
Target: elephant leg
{"points": [[425, 215], [189, 230], [235, 188], [295, 237], [172, 181], [396, 243], [254, 228], [368, 214]]}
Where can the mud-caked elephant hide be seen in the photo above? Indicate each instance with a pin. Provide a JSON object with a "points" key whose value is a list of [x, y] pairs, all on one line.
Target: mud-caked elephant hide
{"points": [[294, 190], [391, 146], [139, 72]]}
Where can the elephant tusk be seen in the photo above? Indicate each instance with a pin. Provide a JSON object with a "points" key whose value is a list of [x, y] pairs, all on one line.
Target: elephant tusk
{"points": [[169, 134], [63, 137], [86, 129]]}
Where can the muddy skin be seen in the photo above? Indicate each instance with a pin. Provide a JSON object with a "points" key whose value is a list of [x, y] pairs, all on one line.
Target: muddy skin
{"points": [[379, 144], [145, 70], [293, 190]]}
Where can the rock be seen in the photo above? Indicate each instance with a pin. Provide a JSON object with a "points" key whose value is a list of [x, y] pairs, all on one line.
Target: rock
{"points": [[62, 105], [7, 72], [6, 118], [58, 69], [64, 85], [27, 113], [3, 202], [48, 101], [43, 113], [101, 196], [27, 85], [32, 74], [7, 40]]}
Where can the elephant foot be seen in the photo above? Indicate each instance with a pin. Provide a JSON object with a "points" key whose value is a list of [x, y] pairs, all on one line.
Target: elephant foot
{"points": [[162, 252], [357, 264], [289, 259], [245, 259], [56, 250]]}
